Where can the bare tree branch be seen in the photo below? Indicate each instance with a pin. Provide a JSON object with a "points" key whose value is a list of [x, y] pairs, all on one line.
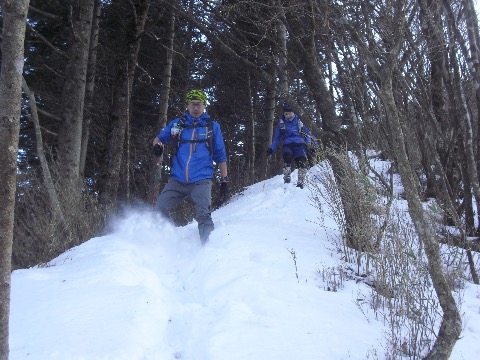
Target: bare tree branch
{"points": [[44, 13], [45, 41]]}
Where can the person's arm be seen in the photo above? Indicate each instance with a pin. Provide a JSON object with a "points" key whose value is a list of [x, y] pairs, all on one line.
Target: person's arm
{"points": [[164, 134], [157, 141], [223, 169], [276, 138], [219, 151]]}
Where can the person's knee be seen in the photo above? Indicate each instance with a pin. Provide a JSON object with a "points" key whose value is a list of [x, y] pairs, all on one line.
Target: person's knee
{"points": [[301, 162]]}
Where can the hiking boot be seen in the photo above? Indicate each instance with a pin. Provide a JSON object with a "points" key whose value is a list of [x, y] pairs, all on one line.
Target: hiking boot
{"points": [[302, 172], [287, 170]]}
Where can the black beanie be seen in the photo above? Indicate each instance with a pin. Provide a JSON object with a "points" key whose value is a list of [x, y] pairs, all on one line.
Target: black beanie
{"points": [[286, 107]]}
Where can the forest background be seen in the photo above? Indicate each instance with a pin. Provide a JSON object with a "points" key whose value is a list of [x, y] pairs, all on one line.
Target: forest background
{"points": [[102, 77]]}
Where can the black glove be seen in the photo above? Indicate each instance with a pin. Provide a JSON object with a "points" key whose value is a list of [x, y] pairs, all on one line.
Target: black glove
{"points": [[157, 150], [224, 189], [269, 151]]}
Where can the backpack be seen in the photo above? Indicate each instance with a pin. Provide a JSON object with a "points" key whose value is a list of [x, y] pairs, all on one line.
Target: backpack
{"points": [[282, 126], [304, 134], [181, 124]]}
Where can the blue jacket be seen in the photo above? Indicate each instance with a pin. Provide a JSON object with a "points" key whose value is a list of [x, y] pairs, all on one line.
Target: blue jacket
{"points": [[193, 161], [292, 133]]}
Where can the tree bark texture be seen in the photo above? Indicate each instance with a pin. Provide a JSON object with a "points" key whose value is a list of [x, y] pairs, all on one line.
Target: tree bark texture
{"points": [[269, 119], [465, 122], [13, 34], [90, 85], [167, 73], [282, 60], [120, 108], [47, 176], [163, 106], [251, 131], [73, 93], [438, 151]]}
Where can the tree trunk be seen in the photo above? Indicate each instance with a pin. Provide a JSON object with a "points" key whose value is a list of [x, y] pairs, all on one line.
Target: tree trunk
{"points": [[433, 31], [120, 109], [465, 122], [90, 85], [251, 136], [469, 161], [430, 11], [163, 107], [474, 62], [451, 324], [73, 94], [47, 176], [282, 60], [13, 35], [269, 119], [167, 73]]}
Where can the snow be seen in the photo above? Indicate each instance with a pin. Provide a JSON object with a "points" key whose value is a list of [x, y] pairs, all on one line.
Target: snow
{"points": [[257, 290]]}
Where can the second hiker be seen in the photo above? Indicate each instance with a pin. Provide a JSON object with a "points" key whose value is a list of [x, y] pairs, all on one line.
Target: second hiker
{"points": [[295, 139], [198, 142]]}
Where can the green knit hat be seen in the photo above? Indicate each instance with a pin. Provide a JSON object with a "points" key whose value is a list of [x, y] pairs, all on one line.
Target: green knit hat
{"points": [[196, 95]]}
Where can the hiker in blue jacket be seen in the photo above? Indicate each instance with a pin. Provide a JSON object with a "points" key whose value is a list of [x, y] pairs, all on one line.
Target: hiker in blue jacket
{"points": [[199, 143], [295, 137]]}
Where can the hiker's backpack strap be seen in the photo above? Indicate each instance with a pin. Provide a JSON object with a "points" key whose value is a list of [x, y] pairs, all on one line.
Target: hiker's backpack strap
{"points": [[302, 133], [300, 126], [209, 135], [283, 130], [282, 127], [176, 132]]}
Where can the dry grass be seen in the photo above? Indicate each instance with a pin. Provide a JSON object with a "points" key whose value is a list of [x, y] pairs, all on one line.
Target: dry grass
{"points": [[391, 260], [40, 234]]}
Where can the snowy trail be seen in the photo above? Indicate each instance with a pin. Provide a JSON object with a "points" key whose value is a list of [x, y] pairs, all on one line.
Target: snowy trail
{"points": [[211, 302], [206, 304], [184, 301], [149, 291], [204, 288]]}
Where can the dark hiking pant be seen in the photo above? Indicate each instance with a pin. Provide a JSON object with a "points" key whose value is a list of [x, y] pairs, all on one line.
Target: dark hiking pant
{"points": [[200, 193], [297, 152]]}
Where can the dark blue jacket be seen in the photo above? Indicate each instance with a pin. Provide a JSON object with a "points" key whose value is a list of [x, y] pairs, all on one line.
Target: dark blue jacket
{"points": [[193, 161], [292, 133]]}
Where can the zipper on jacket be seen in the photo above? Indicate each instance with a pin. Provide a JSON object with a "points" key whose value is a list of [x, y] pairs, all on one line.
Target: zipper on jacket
{"points": [[190, 153]]}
